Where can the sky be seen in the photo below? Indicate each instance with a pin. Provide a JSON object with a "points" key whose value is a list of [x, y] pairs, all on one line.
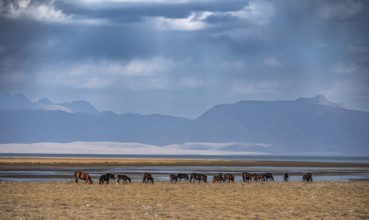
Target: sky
{"points": [[181, 57]]}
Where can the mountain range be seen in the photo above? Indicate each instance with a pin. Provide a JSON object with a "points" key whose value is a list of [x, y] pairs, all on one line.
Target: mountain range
{"points": [[302, 126]]}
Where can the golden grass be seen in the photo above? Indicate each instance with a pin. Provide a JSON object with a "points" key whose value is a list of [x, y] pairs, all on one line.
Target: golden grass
{"points": [[161, 162], [266, 200]]}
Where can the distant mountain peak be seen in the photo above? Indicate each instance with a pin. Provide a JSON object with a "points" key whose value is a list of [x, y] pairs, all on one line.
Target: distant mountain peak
{"points": [[20, 101], [80, 106], [321, 100], [45, 101]]}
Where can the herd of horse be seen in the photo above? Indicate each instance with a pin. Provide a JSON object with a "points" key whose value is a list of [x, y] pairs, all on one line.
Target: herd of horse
{"points": [[193, 177]]}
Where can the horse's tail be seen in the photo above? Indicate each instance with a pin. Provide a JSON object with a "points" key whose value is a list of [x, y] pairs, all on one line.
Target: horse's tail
{"points": [[129, 179]]}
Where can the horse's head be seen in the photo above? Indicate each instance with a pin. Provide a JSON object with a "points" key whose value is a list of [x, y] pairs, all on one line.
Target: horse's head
{"points": [[89, 180]]}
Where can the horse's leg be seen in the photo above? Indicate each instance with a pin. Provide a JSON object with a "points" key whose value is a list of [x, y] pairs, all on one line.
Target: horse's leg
{"points": [[75, 178]]}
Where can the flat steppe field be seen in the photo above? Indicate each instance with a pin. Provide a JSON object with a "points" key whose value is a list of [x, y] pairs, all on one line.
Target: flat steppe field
{"points": [[162, 200]]}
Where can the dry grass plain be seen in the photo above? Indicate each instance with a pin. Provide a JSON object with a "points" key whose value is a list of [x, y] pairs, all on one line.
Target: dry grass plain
{"points": [[266, 200], [14, 162]]}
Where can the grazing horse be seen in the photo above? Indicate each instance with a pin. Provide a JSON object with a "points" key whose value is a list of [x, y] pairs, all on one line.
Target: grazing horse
{"points": [[181, 176], [228, 178], [173, 178], [268, 176], [286, 177], [83, 176], [257, 177], [246, 177], [124, 178], [106, 178], [307, 177], [198, 176], [147, 178], [217, 179]]}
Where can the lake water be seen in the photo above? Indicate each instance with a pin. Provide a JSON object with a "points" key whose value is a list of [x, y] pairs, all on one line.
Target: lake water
{"points": [[161, 173]]}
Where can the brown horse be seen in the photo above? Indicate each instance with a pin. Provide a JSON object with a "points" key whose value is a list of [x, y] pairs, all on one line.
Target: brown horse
{"points": [[246, 177], [173, 178], [83, 176], [217, 179], [124, 178], [147, 178], [228, 178], [307, 177], [257, 177]]}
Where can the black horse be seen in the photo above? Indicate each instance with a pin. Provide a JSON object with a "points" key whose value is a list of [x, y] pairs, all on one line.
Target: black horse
{"points": [[181, 176], [198, 176], [268, 177], [147, 178], [124, 178], [307, 177], [106, 178], [286, 177], [173, 178]]}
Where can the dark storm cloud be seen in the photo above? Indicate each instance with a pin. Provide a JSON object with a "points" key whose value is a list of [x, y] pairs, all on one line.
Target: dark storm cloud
{"points": [[131, 11]]}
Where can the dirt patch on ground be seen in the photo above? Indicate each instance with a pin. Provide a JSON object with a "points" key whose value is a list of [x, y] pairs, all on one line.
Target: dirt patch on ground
{"points": [[265, 200]]}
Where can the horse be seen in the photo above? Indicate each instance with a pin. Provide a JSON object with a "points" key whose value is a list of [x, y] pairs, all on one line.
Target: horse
{"points": [[218, 178], [147, 178], [307, 177], [228, 178], [181, 176], [246, 177], [83, 176], [124, 178], [286, 177], [257, 177], [106, 178], [268, 176], [173, 178], [198, 176]]}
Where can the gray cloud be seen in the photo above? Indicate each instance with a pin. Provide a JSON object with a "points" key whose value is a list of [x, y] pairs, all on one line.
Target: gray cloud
{"points": [[186, 56]]}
